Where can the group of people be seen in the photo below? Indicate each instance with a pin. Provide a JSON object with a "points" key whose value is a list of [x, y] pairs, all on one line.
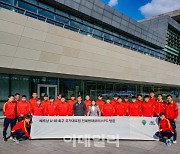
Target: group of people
{"points": [[17, 108]]}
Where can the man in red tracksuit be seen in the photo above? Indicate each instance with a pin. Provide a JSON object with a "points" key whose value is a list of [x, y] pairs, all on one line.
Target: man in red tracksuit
{"points": [[58, 100], [159, 106], [87, 102], [139, 99], [63, 107], [33, 100], [45, 101], [23, 108], [19, 131], [9, 111], [17, 97], [108, 108], [134, 108], [120, 108], [51, 108], [38, 109], [100, 103], [16, 100], [126, 102], [71, 103], [147, 107], [171, 112], [165, 128], [115, 100], [152, 98]]}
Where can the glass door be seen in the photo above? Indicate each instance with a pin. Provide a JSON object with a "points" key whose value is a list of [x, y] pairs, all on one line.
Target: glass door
{"points": [[51, 90]]}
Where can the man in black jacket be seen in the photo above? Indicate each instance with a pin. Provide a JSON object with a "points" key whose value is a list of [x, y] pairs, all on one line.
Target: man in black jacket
{"points": [[79, 108]]}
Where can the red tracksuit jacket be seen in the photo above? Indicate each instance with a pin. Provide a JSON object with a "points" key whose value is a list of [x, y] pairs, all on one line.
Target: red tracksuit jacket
{"points": [[16, 101], [63, 109], [9, 110], [152, 100], [120, 109], [71, 103], [134, 109], [33, 101], [165, 125], [38, 110], [171, 110], [159, 107], [44, 103], [23, 108], [114, 102], [22, 125], [100, 104], [147, 109], [139, 102], [51, 109], [87, 103], [126, 104], [108, 110], [57, 101]]}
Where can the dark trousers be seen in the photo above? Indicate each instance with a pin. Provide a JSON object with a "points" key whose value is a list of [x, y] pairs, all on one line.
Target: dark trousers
{"points": [[173, 124], [167, 134], [8, 121], [19, 134]]}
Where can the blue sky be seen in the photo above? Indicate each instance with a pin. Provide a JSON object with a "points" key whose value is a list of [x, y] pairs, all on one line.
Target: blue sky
{"points": [[140, 9]]}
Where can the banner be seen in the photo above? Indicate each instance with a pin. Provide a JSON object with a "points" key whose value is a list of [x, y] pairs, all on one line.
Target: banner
{"points": [[138, 128]]}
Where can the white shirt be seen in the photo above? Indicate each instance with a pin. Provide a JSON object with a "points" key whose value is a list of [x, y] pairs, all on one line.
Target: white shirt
{"points": [[93, 107]]}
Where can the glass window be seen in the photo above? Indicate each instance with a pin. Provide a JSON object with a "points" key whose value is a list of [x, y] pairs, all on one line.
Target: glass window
{"points": [[90, 89], [62, 19], [27, 6], [97, 32], [46, 13], [32, 1], [116, 39], [61, 13], [75, 18], [72, 87], [12, 2], [75, 24], [46, 7], [4, 86], [109, 90], [87, 29], [101, 89], [20, 84]]}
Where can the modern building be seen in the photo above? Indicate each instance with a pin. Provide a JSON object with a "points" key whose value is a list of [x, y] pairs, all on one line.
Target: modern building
{"points": [[85, 47]]}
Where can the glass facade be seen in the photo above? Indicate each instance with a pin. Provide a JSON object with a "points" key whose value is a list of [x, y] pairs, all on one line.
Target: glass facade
{"points": [[173, 45], [38, 10], [27, 84]]}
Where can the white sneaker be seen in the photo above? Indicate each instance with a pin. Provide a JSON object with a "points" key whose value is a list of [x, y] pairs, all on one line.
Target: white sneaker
{"points": [[15, 140], [11, 138], [174, 142]]}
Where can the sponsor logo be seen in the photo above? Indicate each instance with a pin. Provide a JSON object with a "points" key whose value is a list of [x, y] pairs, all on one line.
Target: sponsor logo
{"points": [[144, 122], [152, 123]]}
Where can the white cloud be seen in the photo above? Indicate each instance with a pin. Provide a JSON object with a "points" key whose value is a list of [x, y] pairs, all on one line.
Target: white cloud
{"points": [[112, 2], [156, 7]]}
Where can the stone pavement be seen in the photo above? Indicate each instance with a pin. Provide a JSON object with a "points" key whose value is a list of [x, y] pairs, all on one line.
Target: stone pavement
{"points": [[61, 147]]}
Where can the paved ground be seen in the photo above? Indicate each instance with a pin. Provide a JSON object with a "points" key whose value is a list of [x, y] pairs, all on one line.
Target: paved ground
{"points": [[61, 147]]}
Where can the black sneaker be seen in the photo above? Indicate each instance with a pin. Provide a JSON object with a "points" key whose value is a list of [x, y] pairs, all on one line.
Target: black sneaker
{"points": [[4, 139]]}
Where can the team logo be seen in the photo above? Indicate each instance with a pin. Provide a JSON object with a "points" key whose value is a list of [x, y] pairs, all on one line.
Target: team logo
{"points": [[144, 122], [152, 123]]}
